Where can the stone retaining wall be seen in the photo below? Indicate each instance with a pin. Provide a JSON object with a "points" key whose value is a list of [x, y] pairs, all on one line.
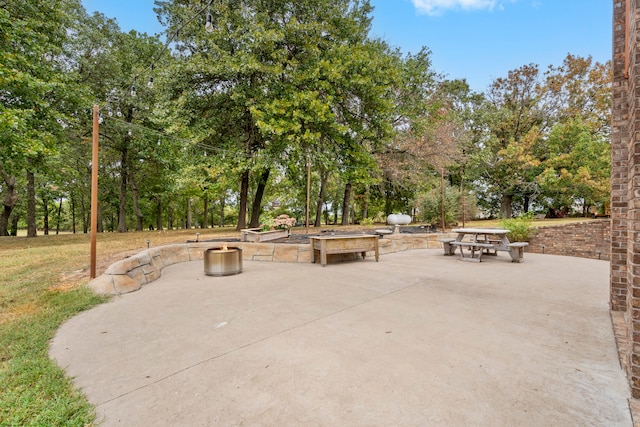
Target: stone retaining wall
{"points": [[132, 273], [589, 239]]}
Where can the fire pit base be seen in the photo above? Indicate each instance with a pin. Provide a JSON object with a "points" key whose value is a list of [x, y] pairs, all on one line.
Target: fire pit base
{"points": [[222, 261]]}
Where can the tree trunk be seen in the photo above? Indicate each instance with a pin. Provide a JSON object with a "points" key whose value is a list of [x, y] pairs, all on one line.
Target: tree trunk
{"points": [[188, 222], [242, 210], [135, 197], [14, 224], [365, 204], [31, 205], [505, 206], [158, 213], [387, 198], [257, 200], [45, 207], [9, 202], [244, 181], [320, 201], [205, 215], [222, 212], [83, 215], [58, 216], [4, 220], [73, 213], [345, 204], [527, 203], [122, 212]]}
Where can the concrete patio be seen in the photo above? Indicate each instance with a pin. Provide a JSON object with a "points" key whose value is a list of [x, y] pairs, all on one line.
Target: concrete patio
{"points": [[416, 339]]}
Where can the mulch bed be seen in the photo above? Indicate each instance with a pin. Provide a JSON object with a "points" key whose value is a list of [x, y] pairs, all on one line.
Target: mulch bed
{"points": [[297, 239]]}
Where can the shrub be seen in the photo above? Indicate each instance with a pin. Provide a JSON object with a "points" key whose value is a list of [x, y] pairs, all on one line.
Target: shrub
{"points": [[519, 228], [281, 222], [366, 221], [430, 206], [380, 217]]}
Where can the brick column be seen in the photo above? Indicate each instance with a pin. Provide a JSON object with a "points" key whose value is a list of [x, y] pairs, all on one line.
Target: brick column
{"points": [[626, 178], [619, 158]]}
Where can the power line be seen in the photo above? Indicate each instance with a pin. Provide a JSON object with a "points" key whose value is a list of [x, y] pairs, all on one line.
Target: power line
{"points": [[174, 35]]}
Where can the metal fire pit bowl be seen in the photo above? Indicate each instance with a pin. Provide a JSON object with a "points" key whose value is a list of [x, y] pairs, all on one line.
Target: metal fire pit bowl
{"points": [[222, 261]]}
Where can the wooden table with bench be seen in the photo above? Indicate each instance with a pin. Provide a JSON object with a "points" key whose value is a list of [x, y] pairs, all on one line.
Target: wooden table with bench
{"points": [[483, 241], [329, 245]]}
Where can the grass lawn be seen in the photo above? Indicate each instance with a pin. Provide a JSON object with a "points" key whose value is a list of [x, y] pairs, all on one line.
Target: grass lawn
{"points": [[41, 285]]}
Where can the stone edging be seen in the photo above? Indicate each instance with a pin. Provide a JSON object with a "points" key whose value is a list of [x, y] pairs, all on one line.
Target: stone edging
{"points": [[132, 273]]}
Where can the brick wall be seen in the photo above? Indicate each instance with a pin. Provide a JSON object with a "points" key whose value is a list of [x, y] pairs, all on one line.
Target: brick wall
{"points": [[625, 182], [619, 159], [589, 239]]}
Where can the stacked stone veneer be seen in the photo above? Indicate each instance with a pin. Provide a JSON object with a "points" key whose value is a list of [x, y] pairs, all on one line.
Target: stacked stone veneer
{"points": [[132, 273], [589, 239]]}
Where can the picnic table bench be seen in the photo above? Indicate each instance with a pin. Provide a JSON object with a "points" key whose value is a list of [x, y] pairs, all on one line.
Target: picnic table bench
{"points": [[483, 241], [449, 249], [476, 249]]}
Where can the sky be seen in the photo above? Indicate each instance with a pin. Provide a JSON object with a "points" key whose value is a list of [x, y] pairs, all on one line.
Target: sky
{"points": [[476, 40]]}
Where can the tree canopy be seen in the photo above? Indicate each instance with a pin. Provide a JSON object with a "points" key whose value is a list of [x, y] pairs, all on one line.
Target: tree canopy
{"points": [[220, 122]]}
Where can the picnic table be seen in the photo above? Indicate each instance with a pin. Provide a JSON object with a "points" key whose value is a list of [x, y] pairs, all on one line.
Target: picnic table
{"points": [[483, 241]]}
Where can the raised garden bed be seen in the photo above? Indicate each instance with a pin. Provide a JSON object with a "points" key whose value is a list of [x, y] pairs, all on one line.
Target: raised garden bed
{"points": [[257, 235]]}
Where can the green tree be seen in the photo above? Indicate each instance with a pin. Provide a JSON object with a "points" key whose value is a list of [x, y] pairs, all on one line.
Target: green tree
{"points": [[277, 80], [427, 132], [515, 117], [577, 167], [521, 113], [119, 82], [39, 97], [579, 88]]}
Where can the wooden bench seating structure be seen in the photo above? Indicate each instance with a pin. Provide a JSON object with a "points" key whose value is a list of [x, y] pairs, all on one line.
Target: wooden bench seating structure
{"points": [[331, 245]]}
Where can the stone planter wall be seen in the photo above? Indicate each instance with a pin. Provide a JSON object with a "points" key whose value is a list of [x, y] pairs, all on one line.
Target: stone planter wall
{"points": [[132, 273]]}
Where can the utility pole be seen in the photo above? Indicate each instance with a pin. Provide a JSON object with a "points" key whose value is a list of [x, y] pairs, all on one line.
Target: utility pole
{"points": [[442, 189], [94, 190], [308, 192]]}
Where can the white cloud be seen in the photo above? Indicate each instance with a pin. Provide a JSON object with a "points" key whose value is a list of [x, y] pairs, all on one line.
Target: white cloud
{"points": [[436, 7]]}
